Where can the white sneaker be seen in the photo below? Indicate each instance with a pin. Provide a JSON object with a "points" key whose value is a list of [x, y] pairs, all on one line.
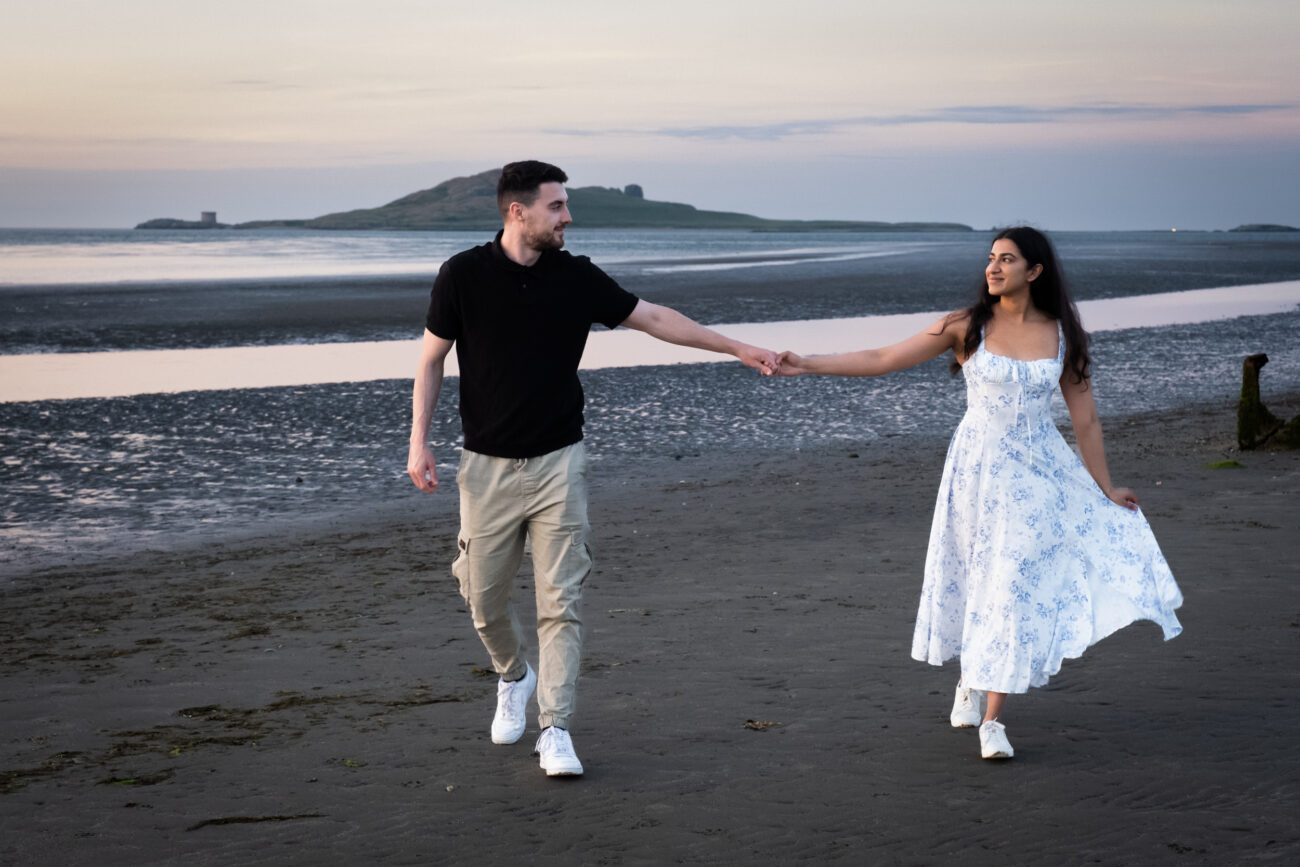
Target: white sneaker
{"points": [[556, 749], [966, 711], [993, 741], [512, 700]]}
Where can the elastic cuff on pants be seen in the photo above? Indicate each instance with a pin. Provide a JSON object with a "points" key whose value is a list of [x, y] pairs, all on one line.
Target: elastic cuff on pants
{"points": [[547, 720], [518, 674]]}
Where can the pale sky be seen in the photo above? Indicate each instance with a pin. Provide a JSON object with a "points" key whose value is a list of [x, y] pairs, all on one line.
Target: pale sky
{"points": [[1068, 115]]}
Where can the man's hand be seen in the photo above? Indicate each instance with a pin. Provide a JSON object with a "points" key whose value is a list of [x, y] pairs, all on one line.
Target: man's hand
{"points": [[762, 360], [422, 468], [789, 364]]}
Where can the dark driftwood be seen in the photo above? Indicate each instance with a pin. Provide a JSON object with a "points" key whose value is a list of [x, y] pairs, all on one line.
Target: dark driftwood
{"points": [[1255, 424]]}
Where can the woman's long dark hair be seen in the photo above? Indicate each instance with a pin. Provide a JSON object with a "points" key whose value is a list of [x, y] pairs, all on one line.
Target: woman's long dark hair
{"points": [[1049, 293]]}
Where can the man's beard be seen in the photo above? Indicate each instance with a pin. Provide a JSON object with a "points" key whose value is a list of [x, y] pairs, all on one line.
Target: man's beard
{"points": [[544, 240]]}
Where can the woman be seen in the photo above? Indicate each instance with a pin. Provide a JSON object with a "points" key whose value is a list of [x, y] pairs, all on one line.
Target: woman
{"points": [[1034, 555]]}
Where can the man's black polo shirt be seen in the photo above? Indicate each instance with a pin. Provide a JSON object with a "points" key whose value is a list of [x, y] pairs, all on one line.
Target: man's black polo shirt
{"points": [[520, 332]]}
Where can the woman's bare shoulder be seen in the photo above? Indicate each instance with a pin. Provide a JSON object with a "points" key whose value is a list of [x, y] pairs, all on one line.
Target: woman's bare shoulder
{"points": [[953, 325], [953, 329]]}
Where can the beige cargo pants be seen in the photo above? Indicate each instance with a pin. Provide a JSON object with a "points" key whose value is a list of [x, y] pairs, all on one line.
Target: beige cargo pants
{"points": [[502, 502]]}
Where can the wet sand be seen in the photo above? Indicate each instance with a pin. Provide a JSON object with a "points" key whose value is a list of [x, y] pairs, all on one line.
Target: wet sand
{"points": [[315, 694], [929, 271]]}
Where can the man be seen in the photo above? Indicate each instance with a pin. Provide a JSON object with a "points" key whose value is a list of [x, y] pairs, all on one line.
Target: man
{"points": [[518, 311]]}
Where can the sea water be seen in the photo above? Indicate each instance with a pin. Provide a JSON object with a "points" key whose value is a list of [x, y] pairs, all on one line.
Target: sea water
{"points": [[99, 257], [40, 257]]}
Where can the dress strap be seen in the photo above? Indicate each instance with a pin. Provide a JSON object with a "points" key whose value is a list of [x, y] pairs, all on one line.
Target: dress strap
{"points": [[1060, 341]]}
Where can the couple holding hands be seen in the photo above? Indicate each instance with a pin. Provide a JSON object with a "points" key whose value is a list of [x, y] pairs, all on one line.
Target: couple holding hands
{"points": [[1034, 555]]}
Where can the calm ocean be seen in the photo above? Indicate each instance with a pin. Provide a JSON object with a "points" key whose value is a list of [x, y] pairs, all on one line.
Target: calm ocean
{"points": [[86, 475], [1140, 261]]}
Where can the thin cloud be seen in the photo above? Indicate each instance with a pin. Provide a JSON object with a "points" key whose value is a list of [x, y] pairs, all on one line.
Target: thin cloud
{"points": [[983, 115], [261, 84]]}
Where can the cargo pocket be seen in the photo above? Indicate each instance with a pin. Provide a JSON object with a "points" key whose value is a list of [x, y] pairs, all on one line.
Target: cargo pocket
{"points": [[577, 564]]}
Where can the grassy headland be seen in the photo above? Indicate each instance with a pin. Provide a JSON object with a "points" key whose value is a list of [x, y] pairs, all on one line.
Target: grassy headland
{"points": [[469, 203]]}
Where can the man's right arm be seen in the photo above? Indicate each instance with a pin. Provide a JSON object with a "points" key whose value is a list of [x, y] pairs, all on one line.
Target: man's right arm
{"points": [[420, 464]]}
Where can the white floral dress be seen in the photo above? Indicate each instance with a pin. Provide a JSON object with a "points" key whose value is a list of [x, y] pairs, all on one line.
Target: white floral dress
{"points": [[1029, 561]]}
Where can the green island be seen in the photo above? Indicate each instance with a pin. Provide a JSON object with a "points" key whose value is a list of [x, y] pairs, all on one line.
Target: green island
{"points": [[469, 203], [173, 223], [1264, 227]]}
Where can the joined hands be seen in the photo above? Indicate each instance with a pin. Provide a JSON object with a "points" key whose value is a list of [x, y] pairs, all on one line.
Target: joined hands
{"points": [[789, 364], [762, 360], [770, 363]]}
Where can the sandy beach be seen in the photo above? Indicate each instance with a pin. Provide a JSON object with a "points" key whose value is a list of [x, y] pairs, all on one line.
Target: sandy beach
{"points": [[316, 695], [237, 239]]}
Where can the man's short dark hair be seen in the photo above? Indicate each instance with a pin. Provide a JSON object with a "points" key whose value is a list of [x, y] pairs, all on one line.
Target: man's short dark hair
{"points": [[519, 182]]}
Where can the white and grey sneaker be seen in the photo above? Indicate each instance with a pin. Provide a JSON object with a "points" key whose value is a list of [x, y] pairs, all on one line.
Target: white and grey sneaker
{"points": [[512, 700], [556, 749], [993, 741], [966, 711]]}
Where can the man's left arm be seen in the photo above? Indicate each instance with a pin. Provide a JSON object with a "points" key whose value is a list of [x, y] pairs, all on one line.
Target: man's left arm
{"points": [[670, 326]]}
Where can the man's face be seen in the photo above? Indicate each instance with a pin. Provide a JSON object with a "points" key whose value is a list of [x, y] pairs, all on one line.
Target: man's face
{"points": [[546, 217]]}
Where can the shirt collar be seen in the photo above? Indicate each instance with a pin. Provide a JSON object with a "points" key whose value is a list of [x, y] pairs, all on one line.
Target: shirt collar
{"points": [[499, 255]]}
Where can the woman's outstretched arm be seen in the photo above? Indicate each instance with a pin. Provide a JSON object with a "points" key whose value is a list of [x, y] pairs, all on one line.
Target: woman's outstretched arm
{"points": [[1087, 433], [945, 334]]}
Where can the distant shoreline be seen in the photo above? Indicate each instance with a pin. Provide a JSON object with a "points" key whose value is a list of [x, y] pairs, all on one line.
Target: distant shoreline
{"points": [[470, 203], [584, 226], [778, 226]]}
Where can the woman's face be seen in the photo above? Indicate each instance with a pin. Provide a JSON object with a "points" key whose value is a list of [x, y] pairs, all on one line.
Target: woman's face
{"points": [[1008, 272]]}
